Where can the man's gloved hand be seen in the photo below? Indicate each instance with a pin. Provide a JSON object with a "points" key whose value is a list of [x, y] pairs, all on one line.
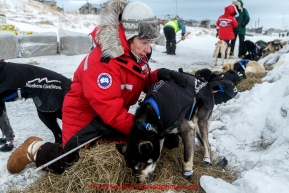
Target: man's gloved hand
{"points": [[183, 38], [166, 74]]}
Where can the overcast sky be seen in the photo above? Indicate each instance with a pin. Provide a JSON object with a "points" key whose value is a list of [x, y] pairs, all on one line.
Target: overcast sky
{"points": [[269, 13]]}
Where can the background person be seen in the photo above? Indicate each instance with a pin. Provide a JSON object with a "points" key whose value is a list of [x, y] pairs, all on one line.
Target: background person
{"points": [[107, 82], [170, 30], [226, 24], [240, 31]]}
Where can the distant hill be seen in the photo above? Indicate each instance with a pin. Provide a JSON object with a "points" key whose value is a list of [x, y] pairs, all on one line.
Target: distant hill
{"points": [[29, 15]]}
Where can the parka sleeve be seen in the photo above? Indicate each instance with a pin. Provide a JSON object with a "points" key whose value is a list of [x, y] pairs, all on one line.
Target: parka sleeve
{"points": [[183, 27], [218, 22], [107, 101], [234, 22], [246, 18], [150, 79]]}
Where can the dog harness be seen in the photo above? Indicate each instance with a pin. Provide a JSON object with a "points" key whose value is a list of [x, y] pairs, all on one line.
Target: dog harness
{"points": [[14, 96], [221, 89], [243, 63], [153, 103]]}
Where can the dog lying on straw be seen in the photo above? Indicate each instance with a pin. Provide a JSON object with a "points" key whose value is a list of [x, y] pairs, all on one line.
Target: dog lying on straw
{"points": [[166, 109], [275, 45], [243, 67], [221, 47]]}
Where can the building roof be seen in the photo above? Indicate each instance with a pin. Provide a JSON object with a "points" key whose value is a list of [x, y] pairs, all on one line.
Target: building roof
{"points": [[93, 5]]}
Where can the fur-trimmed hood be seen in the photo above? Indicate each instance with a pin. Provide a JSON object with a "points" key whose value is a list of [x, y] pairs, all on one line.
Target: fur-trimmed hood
{"points": [[121, 21], [110, 35], [239, 4]]}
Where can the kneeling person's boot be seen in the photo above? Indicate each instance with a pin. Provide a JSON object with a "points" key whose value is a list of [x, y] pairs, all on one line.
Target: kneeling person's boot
{"points": [[8, 146], [23, 155], [171, 141]]}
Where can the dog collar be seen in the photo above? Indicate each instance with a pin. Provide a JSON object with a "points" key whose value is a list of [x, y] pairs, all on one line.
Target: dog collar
{"points": [[154, 104], [148, 127]]}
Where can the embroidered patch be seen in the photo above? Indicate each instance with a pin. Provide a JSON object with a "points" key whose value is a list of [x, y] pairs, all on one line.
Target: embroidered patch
{"points": [[158, 85], [104, 80], [223, 24]]}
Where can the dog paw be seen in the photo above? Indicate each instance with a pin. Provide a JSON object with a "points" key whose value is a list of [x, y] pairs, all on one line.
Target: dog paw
{"points": [[188, 175], [222, 163], [207, 161]]}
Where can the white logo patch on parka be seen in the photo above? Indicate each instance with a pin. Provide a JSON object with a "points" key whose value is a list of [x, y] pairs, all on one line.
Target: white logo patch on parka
{"points": [[104, 80]]}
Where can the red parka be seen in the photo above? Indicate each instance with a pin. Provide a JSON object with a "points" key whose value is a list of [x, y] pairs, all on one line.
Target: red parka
{"points": [[105, 87], [227, 23]]}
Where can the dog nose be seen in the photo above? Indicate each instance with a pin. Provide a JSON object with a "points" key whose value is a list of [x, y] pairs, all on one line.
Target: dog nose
{"points": [[148, 180]]}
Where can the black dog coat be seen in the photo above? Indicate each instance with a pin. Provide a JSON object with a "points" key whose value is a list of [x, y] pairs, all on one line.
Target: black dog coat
{"points": [[223, 84], [45, 87], [167, 93]]}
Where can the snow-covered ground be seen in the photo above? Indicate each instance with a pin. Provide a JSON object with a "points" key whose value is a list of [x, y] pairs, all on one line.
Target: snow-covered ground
{"points": [[238, 127]]}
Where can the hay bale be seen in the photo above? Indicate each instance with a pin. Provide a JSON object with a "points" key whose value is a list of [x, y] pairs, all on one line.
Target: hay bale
{"points": [[9, 46], [39, 44], [74, 43], [102, 168]]}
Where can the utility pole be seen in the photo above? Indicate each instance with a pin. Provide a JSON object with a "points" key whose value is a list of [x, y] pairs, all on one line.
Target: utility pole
{"points": [[176, 7], [258, 22]]}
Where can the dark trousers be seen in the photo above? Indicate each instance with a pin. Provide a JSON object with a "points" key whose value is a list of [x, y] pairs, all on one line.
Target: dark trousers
{"points": [[5, 126], [241, 45], [170, 40], [50, 151]]}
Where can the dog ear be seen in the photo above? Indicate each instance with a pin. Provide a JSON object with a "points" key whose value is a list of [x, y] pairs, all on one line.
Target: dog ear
{"points": [[145, 146], [121, 148]]}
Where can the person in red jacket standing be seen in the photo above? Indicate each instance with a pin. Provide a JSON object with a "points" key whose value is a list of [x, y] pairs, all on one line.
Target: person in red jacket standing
{"points": [[226, 24], [106, 83]]}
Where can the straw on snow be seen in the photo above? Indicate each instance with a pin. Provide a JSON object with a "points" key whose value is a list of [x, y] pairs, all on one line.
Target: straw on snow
{"points": [[102, 166]]}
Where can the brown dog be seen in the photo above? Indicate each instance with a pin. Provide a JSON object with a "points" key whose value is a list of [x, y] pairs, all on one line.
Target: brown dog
{"points": [[275, 45], [221, 47]]}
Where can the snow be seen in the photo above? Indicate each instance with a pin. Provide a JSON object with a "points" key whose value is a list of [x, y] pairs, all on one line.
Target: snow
{"points": [[238, 126]]}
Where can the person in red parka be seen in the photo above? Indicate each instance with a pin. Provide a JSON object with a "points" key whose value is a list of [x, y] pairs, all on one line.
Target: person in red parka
{"points": [[107, 82], [226, 24]]}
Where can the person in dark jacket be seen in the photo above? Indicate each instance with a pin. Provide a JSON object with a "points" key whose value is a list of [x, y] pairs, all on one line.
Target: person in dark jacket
{"points": [[107, 82], [240, 31], [45, 87], [170, 30]]}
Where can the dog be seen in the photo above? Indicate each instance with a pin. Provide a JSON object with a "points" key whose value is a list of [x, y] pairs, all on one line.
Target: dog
{"points": [[223, 84], [221, 47], [274, 46], [185, 113], [254, 51], [45, 87], [244, 67]]}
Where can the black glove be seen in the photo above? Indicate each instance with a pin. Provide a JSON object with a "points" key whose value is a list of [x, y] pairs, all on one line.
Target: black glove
{"points": [[166, 74]]}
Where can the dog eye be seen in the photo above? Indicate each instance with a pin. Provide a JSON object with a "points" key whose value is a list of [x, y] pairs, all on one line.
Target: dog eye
{"points": [[136, 167], [150, 161]]}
